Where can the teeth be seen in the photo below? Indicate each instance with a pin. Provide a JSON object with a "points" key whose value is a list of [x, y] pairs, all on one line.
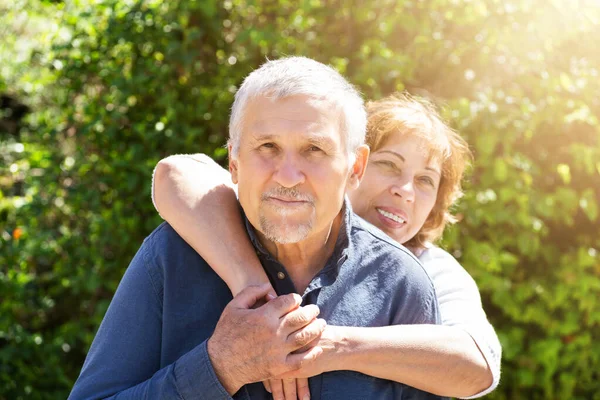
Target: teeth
{"points": [[391, 216]]}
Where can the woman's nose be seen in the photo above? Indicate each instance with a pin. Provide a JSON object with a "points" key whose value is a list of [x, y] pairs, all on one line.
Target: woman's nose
{"points": [[404, 189]]}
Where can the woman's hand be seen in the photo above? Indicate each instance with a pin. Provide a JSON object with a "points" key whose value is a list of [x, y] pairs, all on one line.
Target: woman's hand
{"points": [[288, 389]]}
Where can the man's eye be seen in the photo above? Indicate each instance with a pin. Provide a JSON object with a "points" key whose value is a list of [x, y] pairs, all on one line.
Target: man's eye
{"points": [[268, 145], [314, 149]]}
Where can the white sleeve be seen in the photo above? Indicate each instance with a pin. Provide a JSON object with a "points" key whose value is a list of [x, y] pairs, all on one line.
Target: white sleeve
{"points": [[201, 158], [460, 306]]}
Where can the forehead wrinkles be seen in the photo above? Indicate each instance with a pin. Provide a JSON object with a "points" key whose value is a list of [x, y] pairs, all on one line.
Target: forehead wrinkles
{"points": [[264, 115]]}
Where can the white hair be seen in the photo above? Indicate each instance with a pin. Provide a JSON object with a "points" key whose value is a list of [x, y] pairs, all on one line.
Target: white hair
{"points": [[292, 76]]}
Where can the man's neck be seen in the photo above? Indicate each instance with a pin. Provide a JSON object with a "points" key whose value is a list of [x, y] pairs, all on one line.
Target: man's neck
{"points": [[304, 259]]}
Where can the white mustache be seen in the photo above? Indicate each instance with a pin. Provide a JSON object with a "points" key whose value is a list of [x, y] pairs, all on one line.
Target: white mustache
{"points": [[293, 194]]}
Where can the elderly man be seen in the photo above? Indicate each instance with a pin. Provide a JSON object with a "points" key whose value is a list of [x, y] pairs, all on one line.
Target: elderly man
{"points": [[173, 330]]}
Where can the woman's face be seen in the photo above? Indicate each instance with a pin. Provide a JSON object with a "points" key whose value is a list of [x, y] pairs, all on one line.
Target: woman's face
{"points": [[399, 188]]}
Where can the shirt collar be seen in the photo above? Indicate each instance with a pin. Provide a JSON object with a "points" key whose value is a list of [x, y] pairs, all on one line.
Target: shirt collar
{"points": [[343, 245]]}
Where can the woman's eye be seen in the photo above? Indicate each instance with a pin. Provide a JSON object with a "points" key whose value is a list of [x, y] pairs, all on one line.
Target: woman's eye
{"points": [[428, 181], [386, 163]]}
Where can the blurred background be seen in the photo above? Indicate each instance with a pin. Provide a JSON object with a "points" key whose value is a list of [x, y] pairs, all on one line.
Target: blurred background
{"points": [[94, 93]]}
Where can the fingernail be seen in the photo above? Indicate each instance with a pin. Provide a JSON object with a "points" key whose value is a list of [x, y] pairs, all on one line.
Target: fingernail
{"points": [[306, 397]]}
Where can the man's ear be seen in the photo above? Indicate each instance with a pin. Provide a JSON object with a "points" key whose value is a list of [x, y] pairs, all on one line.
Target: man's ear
{"points": [[357, 172], [233, 167]]}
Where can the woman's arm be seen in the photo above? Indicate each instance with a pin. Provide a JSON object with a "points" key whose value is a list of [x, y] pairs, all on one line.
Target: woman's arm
{"points": [[460, 358], [461, 308], [438, 359], [196, 196]]}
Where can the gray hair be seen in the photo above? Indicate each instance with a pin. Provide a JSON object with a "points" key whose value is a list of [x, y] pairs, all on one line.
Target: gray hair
{"points": [[292, 76]]}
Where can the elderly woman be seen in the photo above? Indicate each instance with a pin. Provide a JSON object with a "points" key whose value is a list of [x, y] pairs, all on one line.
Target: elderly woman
{"points": [[413, 177]]}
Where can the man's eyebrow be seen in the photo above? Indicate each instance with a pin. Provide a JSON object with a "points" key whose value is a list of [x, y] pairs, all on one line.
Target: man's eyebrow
{"points": [[321, 141], [263, 136], [317, 140]]}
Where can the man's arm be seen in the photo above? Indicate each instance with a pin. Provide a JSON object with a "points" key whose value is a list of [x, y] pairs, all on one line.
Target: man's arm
{"points": [[124, 359], [248, 344]]}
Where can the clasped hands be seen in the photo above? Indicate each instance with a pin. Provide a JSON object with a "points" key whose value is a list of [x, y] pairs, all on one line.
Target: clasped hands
{"points": [[276, 343]]}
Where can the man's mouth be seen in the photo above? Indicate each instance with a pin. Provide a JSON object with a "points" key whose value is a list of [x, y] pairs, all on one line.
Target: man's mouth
{"points": [[287, 200], [391, 216]]}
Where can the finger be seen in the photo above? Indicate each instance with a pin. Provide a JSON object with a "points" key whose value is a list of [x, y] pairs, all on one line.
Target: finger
{"points": [[302, 389], [264, 300], [296, 360], [300, 338], [267, 385], [289, 389], [284, 304], [299, 317], [250, 295], [277, 389]]}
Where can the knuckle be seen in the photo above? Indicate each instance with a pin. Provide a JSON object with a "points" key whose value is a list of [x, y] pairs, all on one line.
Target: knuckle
{"points": [[280, 302], [297, 319], [295, 365], [313, 310], [288, 301], [300, 338]]}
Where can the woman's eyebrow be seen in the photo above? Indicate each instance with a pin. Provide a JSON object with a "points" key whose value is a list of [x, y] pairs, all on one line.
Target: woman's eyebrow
{"points": [[433, 170], [398, 155], [393, 153]]}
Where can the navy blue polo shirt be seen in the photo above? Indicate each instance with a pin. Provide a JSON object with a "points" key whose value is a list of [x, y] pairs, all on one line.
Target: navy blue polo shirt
{"points": [[152, 341]]}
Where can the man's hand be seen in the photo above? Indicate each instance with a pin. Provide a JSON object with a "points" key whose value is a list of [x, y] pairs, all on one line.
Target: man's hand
{"points": [[331, 342], [293, 385], [252, 345]]}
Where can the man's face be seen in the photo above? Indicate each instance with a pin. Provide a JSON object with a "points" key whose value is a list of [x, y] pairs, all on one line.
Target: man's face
{"points": [[292, 167]]}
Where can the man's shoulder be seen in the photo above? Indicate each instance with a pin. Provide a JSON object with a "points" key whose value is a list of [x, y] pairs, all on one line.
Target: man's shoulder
{"points": [[163, 236], [368, 236], [166, 253], [379, 258]]}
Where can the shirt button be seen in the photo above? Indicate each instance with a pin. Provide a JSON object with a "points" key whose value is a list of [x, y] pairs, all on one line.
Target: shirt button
{"points": [[280, 275]]}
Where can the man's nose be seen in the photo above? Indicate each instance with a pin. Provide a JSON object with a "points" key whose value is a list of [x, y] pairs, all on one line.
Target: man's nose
{"points": [[289, 173], [404, 189]]}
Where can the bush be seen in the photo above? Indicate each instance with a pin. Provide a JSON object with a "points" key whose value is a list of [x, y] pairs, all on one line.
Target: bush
{"points": [[115, 86]]}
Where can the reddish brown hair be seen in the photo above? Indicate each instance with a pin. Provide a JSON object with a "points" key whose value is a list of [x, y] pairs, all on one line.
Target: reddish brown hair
{"points": [[413, 116]]}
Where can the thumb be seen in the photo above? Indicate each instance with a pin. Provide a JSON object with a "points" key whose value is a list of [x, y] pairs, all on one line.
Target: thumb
{"points": [[250, 295]]}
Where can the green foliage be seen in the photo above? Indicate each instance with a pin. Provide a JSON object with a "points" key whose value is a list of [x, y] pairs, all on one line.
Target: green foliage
{"points": [[115, 85]]}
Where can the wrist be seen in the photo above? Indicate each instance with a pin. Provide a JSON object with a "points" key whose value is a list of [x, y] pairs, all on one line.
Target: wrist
{"points": [[222, 370], [336, 349], [242, 281]]}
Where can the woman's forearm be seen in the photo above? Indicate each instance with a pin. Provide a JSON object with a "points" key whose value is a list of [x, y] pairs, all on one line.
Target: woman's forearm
{"points": [[443, 360], [196, 196]]}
